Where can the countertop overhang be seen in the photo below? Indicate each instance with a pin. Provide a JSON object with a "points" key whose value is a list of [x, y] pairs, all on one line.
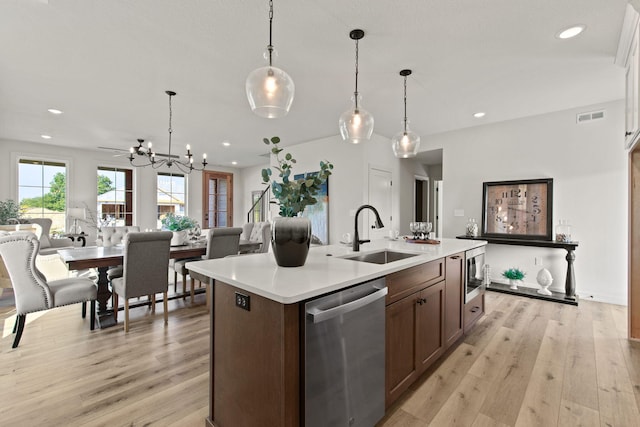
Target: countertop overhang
{"points": [[324, 271]]}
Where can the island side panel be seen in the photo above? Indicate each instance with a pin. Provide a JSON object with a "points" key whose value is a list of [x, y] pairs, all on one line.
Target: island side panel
{"points": [[256, 361]]}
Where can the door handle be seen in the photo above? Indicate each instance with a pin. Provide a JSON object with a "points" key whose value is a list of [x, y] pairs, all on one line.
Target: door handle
{"points": [[475, 309], [318, 315]]}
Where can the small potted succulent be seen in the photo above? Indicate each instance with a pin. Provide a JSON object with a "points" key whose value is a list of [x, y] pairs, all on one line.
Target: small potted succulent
{"points": [[180, 225], [515, 275], [291, 233]]}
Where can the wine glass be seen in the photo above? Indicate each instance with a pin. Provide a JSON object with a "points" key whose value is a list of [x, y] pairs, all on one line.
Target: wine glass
{"points": [[414, 227]]}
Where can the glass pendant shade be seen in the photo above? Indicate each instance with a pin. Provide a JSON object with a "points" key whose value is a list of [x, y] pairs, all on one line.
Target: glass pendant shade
{"points": [[270, 92], [356, 124], [405, 144]]}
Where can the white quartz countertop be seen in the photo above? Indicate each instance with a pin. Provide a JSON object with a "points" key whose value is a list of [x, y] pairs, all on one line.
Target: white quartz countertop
{"points": [[324, 271]]}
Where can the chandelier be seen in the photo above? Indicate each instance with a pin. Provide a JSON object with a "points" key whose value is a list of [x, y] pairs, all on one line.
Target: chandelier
{"points": [[405, 143], [168, 160]]}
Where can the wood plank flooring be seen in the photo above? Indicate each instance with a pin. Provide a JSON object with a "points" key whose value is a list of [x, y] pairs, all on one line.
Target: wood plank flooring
{"points": [[526, 363]]}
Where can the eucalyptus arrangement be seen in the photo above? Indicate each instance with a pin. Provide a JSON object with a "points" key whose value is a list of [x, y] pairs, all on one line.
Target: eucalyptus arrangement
{"points": [[514, 274], [293, 195], [173, 222]]}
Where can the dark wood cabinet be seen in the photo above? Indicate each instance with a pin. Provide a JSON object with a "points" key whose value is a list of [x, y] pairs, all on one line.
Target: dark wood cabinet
{"points": [[473, 310], [414, 336], [454, 298]]}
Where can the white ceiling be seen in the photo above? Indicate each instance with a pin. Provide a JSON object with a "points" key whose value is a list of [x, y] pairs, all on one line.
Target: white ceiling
{"points": [[106, 64]]}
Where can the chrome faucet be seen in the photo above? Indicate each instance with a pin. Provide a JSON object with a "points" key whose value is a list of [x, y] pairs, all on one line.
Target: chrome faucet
{"points": [[378, 224]]}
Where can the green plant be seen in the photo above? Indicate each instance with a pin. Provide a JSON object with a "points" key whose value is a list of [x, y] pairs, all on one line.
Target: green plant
{"points": [[514, 274], [173, 222], [293, 194], [9, 210]]}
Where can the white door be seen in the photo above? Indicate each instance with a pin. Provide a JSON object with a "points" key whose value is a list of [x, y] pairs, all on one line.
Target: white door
{"points": [[379, 198]]}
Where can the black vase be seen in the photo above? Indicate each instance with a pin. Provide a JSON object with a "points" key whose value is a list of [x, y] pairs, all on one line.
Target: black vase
{"points": [[290, 240]]}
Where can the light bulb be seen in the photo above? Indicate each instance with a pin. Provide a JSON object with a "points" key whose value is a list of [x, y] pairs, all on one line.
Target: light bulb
{"points": [[149, 145], [204, 156], [131, 150], [270, 84], [356, 122], [188, 147]]}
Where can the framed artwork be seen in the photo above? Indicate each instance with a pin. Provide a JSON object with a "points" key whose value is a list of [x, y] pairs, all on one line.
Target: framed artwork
{"points": [[318, 213], [518, 209]]}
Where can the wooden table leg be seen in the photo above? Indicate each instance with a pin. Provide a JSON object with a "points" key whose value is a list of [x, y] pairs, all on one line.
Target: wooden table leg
{"points": [[570, 283], [105, 315]]}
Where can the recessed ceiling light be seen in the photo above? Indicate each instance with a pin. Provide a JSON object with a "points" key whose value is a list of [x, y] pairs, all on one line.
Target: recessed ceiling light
{"points": [[54, 111], [45, 136], [571, 32], [226, 143], [234, 163], [479, 114]]}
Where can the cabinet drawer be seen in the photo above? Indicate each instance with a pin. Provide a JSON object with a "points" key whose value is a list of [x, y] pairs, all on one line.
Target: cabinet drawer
{"points": [[473, 310], [404, 283]]}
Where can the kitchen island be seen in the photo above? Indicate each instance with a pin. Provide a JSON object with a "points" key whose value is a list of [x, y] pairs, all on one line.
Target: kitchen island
{"points": [[257, 352]]}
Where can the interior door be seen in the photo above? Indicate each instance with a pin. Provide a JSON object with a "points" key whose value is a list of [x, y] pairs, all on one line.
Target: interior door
{"points": [[217, 199], [379, 198]]}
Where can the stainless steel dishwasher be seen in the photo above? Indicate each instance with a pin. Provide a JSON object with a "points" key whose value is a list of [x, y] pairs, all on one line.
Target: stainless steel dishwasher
{"points": [[344, 357]]}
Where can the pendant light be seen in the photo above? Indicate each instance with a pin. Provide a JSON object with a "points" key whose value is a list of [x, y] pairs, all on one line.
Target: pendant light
{"points": [[406, 143], [270, 90], [356, 124]]}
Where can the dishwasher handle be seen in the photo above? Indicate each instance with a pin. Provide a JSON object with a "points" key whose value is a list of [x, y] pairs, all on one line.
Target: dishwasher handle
{"points": [[317, 315]]}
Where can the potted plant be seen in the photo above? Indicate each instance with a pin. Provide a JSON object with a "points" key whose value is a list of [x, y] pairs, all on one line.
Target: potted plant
{"points": [[180, 225], [10, 212], [514, 275], [291, 233]]}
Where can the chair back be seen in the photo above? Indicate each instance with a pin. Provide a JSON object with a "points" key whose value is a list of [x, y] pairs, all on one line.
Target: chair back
{"points": [[112, 236], [19, 251], [146, 263], [222, 242], [45, 230]]}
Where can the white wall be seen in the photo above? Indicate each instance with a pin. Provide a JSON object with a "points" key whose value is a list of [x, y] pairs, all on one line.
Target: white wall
{"points": [[82, 181], [589, 167]]}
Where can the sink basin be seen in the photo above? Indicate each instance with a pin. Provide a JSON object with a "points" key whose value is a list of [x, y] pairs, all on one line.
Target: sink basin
{"points": [[381, 257]]}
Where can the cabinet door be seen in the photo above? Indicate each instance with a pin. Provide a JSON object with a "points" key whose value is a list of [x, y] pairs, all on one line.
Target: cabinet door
{"points": [[400, 358], [453, 298], [430, 325]]}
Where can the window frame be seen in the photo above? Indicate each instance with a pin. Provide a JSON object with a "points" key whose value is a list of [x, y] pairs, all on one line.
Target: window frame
{"points": [[129, 192]]}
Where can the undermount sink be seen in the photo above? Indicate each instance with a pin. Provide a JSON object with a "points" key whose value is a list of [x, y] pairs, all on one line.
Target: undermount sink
{"points": [[381, 257]]}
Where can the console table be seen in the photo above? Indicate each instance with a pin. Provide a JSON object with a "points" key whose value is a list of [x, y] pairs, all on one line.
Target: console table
{"points": [[569, 296]]}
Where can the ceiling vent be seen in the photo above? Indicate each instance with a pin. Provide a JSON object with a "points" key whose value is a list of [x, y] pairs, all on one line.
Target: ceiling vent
{"points": [[586, 117]]}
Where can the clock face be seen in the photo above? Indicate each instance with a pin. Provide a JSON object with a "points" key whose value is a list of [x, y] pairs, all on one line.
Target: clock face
{"points": [[518, 209]]}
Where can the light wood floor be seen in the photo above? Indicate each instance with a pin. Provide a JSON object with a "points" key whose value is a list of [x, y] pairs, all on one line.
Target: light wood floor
{"points": [[526, 363]]}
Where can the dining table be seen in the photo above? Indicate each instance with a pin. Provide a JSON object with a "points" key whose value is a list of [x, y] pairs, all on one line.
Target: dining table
{"points": [[104, 257]]}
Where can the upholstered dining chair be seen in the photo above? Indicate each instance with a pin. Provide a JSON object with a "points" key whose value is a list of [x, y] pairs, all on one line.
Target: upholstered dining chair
{"points": [[32, 291], [145, 270], [257, 232], [49, 246], [221, 242], [111, 236]]}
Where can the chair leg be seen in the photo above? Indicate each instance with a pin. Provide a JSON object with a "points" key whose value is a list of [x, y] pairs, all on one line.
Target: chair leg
{"points": [[92, 315], [192, 289], [15, 325], [126, 314], [175, 281], [84, 309], [207, 288], [115, 307], [152, 297], [184, 285], [20, 320], [165, 303]]}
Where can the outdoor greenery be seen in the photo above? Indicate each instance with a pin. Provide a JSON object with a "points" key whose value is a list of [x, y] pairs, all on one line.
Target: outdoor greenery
{"points": [[104, 184], [9, 209], [173, 222], [54, 200], [293, 195], [514, 274]]}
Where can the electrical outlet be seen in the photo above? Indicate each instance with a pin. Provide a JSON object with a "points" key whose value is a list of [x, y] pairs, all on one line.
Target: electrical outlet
{"points": [[242, 301]]}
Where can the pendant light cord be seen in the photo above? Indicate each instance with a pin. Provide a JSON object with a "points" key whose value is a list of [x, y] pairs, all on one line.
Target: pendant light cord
{"points": [[355, 94], [405, 105], [270, 47]]}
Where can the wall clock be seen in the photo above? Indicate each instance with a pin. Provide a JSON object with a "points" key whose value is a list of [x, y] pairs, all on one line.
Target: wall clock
{"points": [[518, 209]]}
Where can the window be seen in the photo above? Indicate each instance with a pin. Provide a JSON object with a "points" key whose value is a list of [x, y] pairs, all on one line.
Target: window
{"points": [[42, 191], [171, 194], [115, 196], [217, 199]]}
